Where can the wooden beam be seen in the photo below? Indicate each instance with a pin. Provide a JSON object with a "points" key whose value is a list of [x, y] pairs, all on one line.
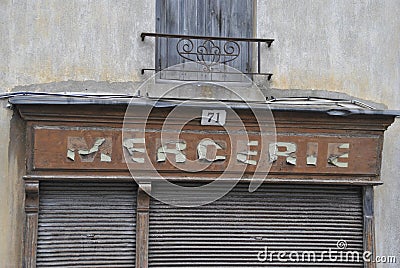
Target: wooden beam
{"points": [[142, 225], [31, 223], [369, 226]]}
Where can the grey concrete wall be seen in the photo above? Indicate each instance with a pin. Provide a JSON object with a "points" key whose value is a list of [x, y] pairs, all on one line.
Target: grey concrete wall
{"points": [[56, 40], [12, 157], [322, 47], [341, 45], [6, 212], [387, 198]]}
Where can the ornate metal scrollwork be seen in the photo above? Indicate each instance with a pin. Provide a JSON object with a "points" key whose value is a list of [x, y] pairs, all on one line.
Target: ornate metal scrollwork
{"points": [[208, 52]]}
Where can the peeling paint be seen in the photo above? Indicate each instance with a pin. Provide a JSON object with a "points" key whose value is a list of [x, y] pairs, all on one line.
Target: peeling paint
{"points": [[336, 156], [94, 149], [105, 158], [291, 160], [311, 160], [344, 146], [334, 160], [244, 159], [129, 144], [312, 153], [203, 150], [289, 153], [88, 155], [244, 155], [71, 154], [177, 151]]}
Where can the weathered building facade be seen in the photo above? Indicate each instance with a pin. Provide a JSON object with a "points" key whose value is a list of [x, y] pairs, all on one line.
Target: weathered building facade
{"points": [[326, 49]]}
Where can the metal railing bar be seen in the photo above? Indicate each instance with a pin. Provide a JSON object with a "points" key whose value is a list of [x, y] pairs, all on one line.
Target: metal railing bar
{"points": [[192, 71], [238, 39]]}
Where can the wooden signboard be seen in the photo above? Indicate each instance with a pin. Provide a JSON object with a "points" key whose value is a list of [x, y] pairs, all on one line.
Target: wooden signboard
{"points": [[307, 146], [88, 148]]}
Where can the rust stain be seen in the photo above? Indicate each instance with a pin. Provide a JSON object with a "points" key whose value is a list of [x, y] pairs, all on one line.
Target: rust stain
{"points": [[45, 74], [207, 92], [355, 84]]}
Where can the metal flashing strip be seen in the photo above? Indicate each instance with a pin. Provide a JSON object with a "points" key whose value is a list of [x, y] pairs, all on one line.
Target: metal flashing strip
{"points": [[333, 107], [271, 180]]}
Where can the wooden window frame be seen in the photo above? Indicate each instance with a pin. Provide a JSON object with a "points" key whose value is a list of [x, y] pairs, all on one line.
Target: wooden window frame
{"points": [[249, 64]]}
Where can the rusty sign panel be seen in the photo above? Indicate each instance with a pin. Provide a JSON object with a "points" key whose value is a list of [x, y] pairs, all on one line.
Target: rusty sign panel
{"points": [[90, 148]]}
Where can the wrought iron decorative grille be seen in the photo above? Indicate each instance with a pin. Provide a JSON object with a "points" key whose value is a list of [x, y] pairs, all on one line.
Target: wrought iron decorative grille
{"points": [[210, 51], [207, 53]]}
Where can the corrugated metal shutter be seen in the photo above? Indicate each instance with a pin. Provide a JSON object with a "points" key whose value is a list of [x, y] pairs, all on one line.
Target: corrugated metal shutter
{"points": [[86, 224], [231, 231]]}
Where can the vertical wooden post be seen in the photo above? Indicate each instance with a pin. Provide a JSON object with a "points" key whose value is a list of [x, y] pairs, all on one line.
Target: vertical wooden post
{"points": [[369, 225], [31, 223], [142, 225]]}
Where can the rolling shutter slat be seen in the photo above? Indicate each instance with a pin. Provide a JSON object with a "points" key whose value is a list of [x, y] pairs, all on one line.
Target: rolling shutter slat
{"points": [[231, 231], [86, 224]]}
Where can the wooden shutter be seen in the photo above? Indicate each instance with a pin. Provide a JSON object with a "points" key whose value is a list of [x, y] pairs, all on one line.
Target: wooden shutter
{"points": [[86, 224], [231, 231], [226, 18]]}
